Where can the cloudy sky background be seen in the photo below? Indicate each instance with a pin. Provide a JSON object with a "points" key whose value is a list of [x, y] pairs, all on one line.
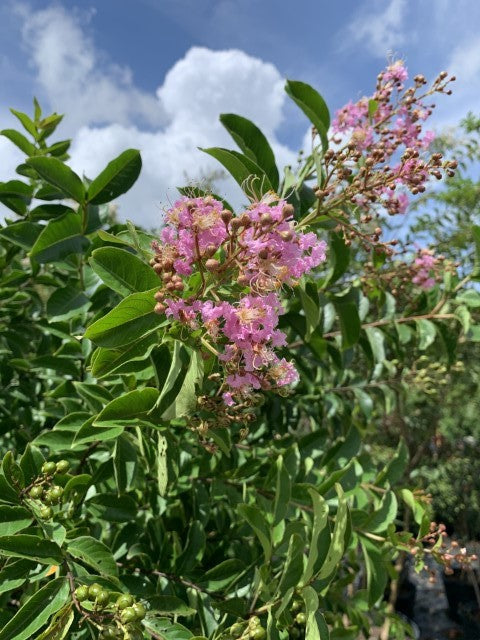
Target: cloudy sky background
{"points": [[155, 74]]}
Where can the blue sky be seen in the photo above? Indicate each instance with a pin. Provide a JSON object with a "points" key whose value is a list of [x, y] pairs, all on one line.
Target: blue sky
{"points": [[155, 74]]}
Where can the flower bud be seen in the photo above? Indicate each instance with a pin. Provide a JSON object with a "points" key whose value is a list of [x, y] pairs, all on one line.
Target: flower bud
{"points": [[266, 218], [160, 308], [212, 264], [226, 216]]}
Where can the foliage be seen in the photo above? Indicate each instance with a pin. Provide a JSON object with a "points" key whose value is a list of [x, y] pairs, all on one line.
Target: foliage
{"points": [[134, 503]]}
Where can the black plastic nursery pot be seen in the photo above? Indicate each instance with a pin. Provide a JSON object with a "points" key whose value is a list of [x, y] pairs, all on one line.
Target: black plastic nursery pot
{"points": [[463, 605]]}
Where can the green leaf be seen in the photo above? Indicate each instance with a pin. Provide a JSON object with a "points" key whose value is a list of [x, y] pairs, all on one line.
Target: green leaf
{"points": [[313, 106], [130, 320], [162, 467], [59, 175], [376, 572], [122, 271], [349, 322], [37, 610], [22, 234], [383, 515], [172, 383], [476, 239], [60, 238], [251, 178], [112, 508], [320, 520], [107, 361], [170, 605], [339, 257], [30, 548], [426, 332], [257, 521], [337, 543], [59, 626], [26, 122], [117, 177], [194, 548], [396, 467], [20, 141], [293, 568], [253, 144], [93, 553], [31, 462], [14, 574], [166, 629], [66, 303], [127, 408], [14, 519], [311, 307], [124, 463], [282, 492], [376, 338], [186, 399], [316, 627]]}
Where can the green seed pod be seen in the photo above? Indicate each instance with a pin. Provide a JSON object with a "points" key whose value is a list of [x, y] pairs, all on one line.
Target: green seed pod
{"points": [[301, 619], [81, 593], [102, 598], [124, 601], [296, 606], [139, 610], [93, 590], [128, 615], [236, 629], [53, 495], [254, 621], [258, 633], [49, 468], [46, 512], [36, 492], [63, 466]]}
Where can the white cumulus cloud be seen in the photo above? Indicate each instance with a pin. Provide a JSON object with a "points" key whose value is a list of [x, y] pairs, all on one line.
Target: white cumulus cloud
{"points": [[75, 77], [106, 113], [196, 90], [379, 26]]}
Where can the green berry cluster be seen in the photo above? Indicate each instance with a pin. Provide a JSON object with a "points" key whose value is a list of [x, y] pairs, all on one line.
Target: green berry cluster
{"points": [[44, 490], [119, 616], [297, 629], [252, 629]]}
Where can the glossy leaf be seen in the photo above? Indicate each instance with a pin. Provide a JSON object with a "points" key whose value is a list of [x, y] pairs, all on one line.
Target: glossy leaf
{"points": [[130, 320], [60, 176], [60, 238], [253, 144], [251, 178], [118, 177], [313, 106], [31, 548], [93, 553], [37, 610], [122, 271]]}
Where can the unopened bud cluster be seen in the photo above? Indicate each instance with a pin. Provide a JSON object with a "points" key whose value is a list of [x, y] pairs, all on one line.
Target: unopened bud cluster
{"points": [[221, 275], [380, 149], [424, 269]]}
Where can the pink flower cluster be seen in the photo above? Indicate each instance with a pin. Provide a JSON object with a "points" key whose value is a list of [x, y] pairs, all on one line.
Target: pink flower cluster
{"points": [[381, 125], [242, 262], [423, 265]]}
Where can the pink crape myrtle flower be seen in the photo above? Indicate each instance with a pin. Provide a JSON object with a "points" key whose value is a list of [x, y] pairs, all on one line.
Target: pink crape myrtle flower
{"points": [[262, 250]]}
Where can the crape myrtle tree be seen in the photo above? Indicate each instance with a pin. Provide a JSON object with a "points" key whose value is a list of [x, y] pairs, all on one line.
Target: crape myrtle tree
{"points": [[188, 417]]}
